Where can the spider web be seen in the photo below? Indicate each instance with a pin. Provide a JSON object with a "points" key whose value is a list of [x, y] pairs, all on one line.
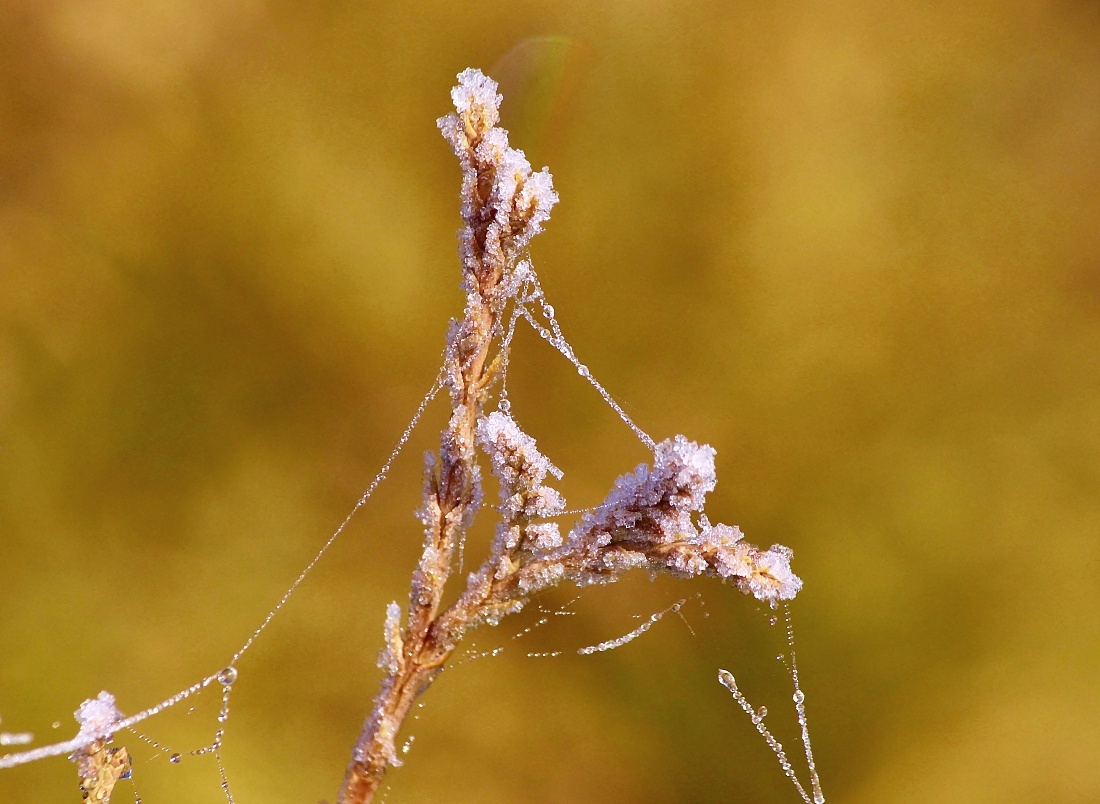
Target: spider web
{"points": [[108, 723], [102, 766]]}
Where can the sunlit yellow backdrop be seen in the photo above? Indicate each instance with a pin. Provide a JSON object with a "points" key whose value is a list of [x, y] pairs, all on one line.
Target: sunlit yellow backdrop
{"points": [[855, 247]]}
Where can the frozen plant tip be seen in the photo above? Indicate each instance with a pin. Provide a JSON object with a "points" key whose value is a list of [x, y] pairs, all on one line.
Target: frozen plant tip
{"points": [[652, 518]]}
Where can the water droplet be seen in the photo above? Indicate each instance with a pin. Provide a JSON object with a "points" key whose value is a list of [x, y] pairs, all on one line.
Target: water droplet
{"points": [[227, 675], [56, 724], [762, 712], [798, 697], [582, 370], [223, 717], [545, 333], [549, 310], [174, 759], [505, 406], [771, 620]]}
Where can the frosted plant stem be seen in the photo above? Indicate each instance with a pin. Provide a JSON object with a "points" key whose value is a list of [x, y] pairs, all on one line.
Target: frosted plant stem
{"points": [[558, 342], [504, 205], [646, 521], [437, 385]]}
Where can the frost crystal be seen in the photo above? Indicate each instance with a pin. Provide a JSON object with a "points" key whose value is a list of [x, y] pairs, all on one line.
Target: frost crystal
{"points": [[657, 502], [646, 521], [504, 203], [97, 716], [771, 578], [390, 657], [521, 470], [513, 453], [476, 95]]}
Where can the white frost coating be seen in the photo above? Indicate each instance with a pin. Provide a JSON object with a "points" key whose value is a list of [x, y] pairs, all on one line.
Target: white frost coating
{"points": [[541, 578], [504, 203], [681, 477], [513, 453], [97, 717], [658, 499], [544, 502], [477, 92], [544, 536], [521, 469], [771, 579], [390, 657]]}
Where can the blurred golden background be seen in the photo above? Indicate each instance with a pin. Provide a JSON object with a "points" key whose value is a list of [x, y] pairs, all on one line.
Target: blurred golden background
{"points": [[853, 247]]}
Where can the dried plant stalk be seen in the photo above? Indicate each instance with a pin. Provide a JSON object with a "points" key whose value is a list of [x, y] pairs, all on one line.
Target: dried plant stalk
{"points": [[651, 519], [99, 764]]}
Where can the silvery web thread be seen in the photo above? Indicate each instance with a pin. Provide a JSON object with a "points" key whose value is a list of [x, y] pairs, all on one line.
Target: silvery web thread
{"points": [[726, 679], [227, 675], [532, 292], [554, 336]]}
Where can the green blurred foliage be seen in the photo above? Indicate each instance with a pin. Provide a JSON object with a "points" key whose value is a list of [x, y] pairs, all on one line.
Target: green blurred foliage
{"points": [[854, 247]]}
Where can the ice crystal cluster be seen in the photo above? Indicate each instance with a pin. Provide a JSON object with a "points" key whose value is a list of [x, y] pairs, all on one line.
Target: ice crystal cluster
{"points": [[521, 470], [646, 521], [97, 717], [504, 203]]}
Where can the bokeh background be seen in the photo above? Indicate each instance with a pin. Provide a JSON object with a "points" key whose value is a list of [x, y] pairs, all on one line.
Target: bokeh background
{"points": [[852, 246]]}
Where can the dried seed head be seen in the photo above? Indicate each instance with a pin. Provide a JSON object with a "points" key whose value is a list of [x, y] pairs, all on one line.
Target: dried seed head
{"points": [[504, 203]]}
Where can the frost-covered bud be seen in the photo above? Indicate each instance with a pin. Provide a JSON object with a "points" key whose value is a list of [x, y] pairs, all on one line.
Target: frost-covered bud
{"points": [[514, 455], [521, 470], [97, 717], [389, 659], [771, 578], [476, 98], [543, 536], [504, 203], [684, 471], [656, 503], [543, 502]]}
